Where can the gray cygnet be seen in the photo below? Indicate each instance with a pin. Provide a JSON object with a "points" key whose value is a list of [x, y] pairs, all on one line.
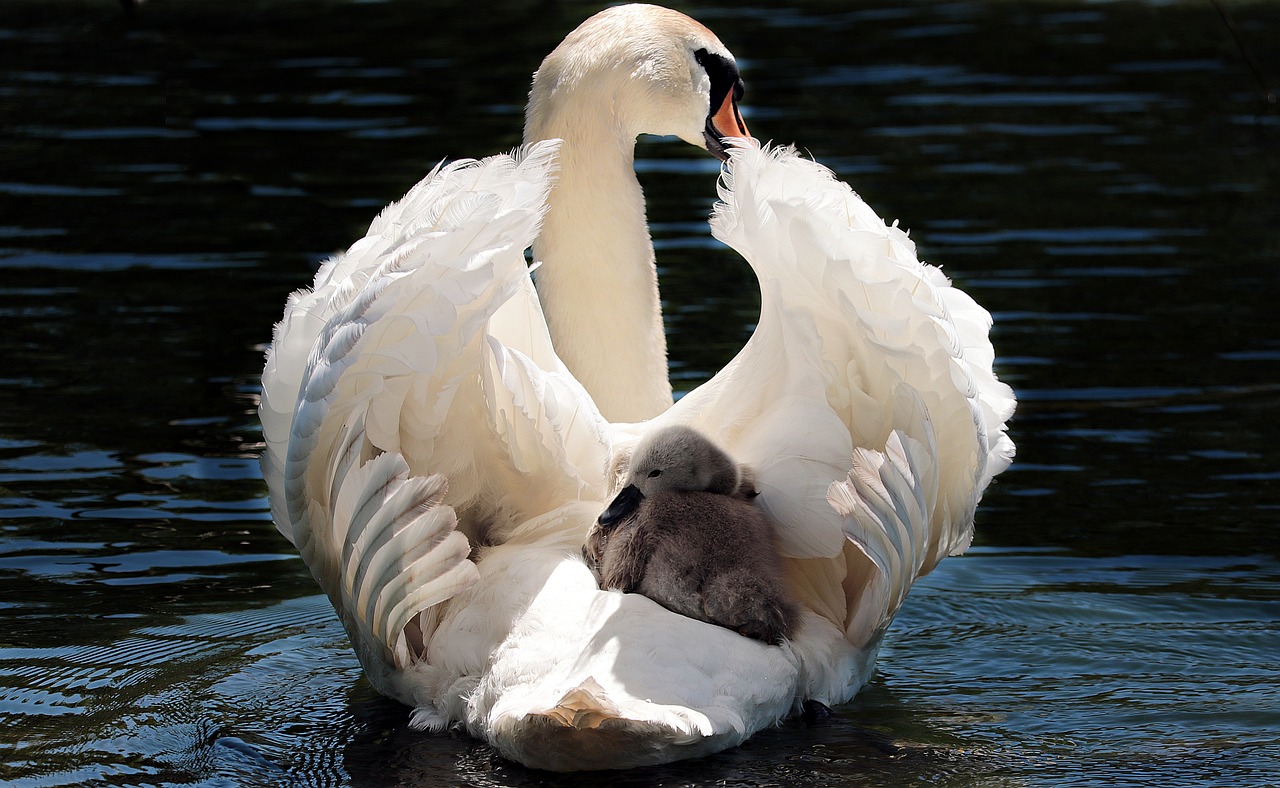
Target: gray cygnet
{"points": [[685, 532]]}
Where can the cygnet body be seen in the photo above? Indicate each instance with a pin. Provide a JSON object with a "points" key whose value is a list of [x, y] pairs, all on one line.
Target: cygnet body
{"points": [[684, 532]]}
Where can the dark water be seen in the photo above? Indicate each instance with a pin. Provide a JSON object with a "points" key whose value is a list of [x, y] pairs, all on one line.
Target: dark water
{"points": [[1104, 176]]}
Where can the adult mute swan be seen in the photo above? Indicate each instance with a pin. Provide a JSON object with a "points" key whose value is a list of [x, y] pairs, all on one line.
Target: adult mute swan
{"points": [[437, 449]]}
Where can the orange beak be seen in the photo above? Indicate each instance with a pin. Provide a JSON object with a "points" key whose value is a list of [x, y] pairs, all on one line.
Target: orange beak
{"points": [[728, 121]]}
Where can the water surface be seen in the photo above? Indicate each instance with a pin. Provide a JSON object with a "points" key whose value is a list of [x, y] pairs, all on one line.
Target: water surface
{"points": [[1102, 176]]}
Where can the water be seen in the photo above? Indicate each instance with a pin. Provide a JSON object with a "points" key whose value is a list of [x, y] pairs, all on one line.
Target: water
{"points": [[1103, 176]]}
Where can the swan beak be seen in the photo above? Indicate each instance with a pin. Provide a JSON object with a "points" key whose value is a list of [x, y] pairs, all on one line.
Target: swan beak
{"points": [[725, 122], [626, 502]]}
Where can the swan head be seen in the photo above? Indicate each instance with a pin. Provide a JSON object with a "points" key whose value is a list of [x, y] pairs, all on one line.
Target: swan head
{"points": [[675, 458], [638, 69]]}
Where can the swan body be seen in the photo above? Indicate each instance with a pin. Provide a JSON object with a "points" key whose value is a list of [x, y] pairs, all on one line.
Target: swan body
{"points": [[437, 459]]}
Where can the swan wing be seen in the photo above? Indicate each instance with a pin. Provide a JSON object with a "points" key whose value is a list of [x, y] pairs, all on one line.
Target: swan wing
{"points": [[408, 382], [865, 398]]}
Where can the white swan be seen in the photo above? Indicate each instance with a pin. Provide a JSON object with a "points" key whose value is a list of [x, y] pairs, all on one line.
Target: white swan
{"points": [[437, 465]]}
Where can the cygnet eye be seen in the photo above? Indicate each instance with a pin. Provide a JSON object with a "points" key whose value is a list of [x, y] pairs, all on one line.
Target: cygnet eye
{"points": [[655, 473]]}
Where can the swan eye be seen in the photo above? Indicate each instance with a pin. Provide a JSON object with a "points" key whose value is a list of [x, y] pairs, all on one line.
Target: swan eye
{"points": [[655, 474]]}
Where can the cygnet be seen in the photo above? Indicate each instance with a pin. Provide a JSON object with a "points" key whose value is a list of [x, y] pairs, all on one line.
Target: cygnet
{"points": [[684, 531]]}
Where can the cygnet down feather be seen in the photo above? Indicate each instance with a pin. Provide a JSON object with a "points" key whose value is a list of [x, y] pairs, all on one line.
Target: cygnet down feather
{"points": [[685, 532]]}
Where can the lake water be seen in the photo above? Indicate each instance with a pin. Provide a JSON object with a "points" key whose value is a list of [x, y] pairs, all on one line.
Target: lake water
{"points": [[1105, 177]]}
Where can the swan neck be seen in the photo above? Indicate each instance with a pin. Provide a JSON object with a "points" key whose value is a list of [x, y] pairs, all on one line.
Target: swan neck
{"points": [[597, 278]]}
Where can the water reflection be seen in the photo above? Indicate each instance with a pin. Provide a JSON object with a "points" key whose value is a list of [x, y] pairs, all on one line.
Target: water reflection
{"points": [[1104, 178], [975, 689]]}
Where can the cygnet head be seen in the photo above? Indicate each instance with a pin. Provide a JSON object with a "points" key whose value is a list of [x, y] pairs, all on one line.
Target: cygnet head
{"points": [[681, 458], [639, 69], [676, 458]]}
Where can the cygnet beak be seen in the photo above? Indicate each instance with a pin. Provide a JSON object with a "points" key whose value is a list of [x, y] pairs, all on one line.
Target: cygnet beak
{"points": [[626, 502]]}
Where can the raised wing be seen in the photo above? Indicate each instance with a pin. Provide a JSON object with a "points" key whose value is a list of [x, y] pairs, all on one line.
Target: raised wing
{"points": [[413, 378], [869, 378]]}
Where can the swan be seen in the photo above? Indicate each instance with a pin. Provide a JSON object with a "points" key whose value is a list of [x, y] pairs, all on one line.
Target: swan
{"points": [[440, 435]]}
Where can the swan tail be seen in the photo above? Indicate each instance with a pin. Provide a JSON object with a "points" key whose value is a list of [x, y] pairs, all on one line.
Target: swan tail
{"points": [[592, 727], [586, 730], [585, 707]]}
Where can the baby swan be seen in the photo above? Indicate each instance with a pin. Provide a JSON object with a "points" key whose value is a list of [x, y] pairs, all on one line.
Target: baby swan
{"points": [[685, 533]]}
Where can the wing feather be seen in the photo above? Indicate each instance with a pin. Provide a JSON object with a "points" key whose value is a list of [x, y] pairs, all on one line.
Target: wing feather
{"points": [[872, 365], [411, 396]]}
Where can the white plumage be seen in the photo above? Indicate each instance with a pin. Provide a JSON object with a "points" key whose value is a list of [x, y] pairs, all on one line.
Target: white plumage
{"points": [[437, 465]]}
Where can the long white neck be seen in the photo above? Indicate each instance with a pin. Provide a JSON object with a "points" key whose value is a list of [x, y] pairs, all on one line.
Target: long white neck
{"points": [[597, 282]]}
